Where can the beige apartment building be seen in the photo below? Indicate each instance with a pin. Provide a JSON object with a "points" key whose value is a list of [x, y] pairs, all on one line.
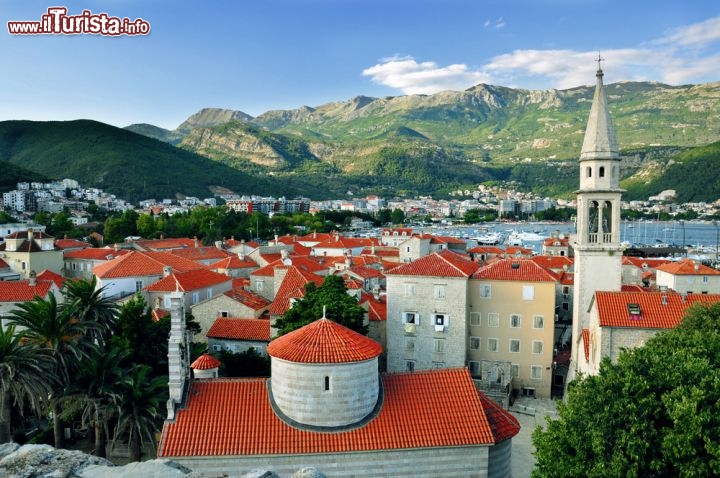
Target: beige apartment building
{"points": [[511, 319]]}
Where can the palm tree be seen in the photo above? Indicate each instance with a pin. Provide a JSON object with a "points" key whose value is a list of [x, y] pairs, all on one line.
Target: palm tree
{"points": [[92, 306], [140, 410], [42, 323], [96, 386], [26, 372]]}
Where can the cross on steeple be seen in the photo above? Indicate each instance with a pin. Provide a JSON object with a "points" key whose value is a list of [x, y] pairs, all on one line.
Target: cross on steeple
{"points": [[599, 60]]}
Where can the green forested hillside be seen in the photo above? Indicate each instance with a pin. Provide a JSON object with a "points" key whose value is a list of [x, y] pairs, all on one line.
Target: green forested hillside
{"points": [[127, 164], [13, 174]]}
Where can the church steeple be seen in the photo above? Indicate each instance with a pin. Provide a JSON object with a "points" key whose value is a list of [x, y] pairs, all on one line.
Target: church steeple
{"points": [[599, 142]]}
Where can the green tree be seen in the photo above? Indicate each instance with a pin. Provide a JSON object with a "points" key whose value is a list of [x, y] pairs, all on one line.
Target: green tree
{"points": [[45, 324], [333, 297], [397, 216], [145, 225], [117, 228], [250, 363], [92, 307], [656, 412], [384, 216], [27, 372], [140, 408]]}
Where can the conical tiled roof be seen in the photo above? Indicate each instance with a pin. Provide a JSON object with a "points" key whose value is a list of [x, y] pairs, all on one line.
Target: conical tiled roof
{"points": [[600, 141], [205, 362], [324, 341]]}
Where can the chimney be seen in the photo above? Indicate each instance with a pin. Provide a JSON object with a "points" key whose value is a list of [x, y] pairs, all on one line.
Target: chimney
{"points": [[241, 256], [697, 266], [283, 254], [31, 234], [167, 270], [197, 241], [219, 244], [32, 279], [276, 239], [177, 354], [314, 234], [348, 261]]}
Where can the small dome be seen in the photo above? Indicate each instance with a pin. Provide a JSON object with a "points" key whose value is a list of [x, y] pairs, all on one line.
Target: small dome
{"points": [[324, 341], [205, 362]]}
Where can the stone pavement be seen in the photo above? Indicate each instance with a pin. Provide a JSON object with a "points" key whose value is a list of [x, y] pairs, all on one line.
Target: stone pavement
{"points": [[530, 412]]}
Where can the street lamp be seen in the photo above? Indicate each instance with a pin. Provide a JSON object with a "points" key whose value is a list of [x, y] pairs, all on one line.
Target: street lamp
{"points": [[717, 239]]}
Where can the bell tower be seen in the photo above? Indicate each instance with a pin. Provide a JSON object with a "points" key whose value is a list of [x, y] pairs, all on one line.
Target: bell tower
{"points": [[597, 248]]}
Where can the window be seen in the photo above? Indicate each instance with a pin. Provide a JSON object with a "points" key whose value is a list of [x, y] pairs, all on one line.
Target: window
{"points": [[566, 291], [515, 321], [601, 172], [705, 279], [528, 292], [409, 290], [474, 343], [410, 365], [439, 346], [138, 285], [407, 249], [493, 319], [410, 346], [74, 266], [492, 345], [217, 347], [440, 321], [411, 318], [326, 384], [515, 370], [438, 364], [474, 368], [224, 313], [485, 291], [537, 346], [475, 318], [23, 266], [209, 294], [259, 284], [536, 372], [196, 297], [515, 346], [566, 306], [538, 322], [588, 172], [166, 301], [439, 291]]}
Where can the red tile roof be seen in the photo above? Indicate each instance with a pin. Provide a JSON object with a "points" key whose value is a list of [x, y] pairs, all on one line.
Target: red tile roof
{"points": [[486, 250], [205, 362], [4, 265], [207, 253], [323, 342], [216, 423], [71, 244], [502, 423], [688, 267], [187, 281], [437, 264], [240, 329], [526, 271], [22, 291], [166, 244], [51, 276], [518, 250], [366, 272], [233, 262], [377, 309], [248, 298], [340, 242], [381, 251], [658, 310], [24, 235], [556, 241], [447, 240], [292, 287], [138, 263], [554, 262], [95, 253], [631, 288], [648, 262], [303, 263], [158, 314]]}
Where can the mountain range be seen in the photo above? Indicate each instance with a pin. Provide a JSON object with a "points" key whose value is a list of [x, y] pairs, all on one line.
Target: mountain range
{"points": [[415, 144]]}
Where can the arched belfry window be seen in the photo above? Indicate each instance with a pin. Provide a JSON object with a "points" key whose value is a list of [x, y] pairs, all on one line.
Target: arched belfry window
{"points": [[607, 221], [592, 221], [588, 172], [601, 172]]}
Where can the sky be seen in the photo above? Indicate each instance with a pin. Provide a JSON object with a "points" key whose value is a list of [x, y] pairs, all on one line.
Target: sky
{"points": [[260, 55]]}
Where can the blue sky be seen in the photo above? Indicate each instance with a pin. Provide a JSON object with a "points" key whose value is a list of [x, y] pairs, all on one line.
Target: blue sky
{"points": [[260, 55]]}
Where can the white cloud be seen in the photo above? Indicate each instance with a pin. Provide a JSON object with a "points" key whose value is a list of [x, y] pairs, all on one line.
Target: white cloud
{"points": [[681, 56], [413, 77]]}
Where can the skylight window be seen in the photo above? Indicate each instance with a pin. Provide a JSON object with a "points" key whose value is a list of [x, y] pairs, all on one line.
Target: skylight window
{"points": [[634, 311]]}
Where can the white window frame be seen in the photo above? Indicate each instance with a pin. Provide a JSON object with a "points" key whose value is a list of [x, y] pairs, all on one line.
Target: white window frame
{"points": [[439, 346], [528, 292], [195, 297], [475, 319], [410, 289], [411, 317], [439, 291], [138, 285], [477, 340], [538, 344], [209, 293], [485, 291], [533, 369], [519, 321], [493, 348], [514, 370], [510, 346], [536, 319], [493, 319], [440, 321]]}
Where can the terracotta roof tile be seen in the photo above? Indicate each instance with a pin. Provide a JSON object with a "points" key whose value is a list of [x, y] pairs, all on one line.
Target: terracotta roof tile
{"points": [[240, 329], [292, 287], [437, 264], [248, 298], [658, 310], [47, 274], [381, 251], [216, 423], [3, 264], [233, 262], [554, 262], [377, 309], [22, 291], [518, 250], [688, 267], [187, 281], [502, 423], [200, 253], [324, 341], [71, 244], [24, 235], [515, 270], [166, 244], [486, 250], [138, 263], [205, 362], [95, 253]]}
